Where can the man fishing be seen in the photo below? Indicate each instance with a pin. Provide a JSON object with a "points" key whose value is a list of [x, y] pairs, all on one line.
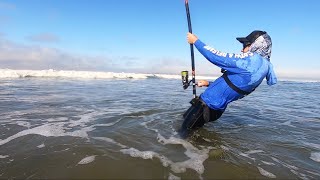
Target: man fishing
{"points": [[242, 74]]}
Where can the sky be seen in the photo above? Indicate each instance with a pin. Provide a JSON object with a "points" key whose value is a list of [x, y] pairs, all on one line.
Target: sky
{"points": [[148, 36]]}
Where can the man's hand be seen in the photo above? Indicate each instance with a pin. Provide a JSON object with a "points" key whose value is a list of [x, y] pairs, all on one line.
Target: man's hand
{"points": [[203, 83], [191, 38]]}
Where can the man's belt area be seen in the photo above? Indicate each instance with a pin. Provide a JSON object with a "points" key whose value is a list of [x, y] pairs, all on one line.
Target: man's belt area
{"points": [[234, 87]]}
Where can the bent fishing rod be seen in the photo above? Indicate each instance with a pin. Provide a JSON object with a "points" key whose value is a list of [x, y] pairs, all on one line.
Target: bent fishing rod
{"points": [[184, 74]]}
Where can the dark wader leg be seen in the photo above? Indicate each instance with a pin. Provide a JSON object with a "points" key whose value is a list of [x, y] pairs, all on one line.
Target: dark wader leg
{"points": [[211, 114], [196, 116], [193, 117]]}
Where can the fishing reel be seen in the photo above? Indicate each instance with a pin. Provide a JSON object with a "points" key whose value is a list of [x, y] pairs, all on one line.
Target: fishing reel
{"points": [[185, 79]]}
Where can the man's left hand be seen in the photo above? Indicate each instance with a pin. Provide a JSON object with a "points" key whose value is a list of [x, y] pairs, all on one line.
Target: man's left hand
{"points": [[191, 38]]}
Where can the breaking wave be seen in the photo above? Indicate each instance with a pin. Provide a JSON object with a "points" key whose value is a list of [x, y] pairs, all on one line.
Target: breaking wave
{"points": [[51, 73]]}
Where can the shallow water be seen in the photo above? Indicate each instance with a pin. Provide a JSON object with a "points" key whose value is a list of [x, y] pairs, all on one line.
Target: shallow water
{"points": [[111, 128]]}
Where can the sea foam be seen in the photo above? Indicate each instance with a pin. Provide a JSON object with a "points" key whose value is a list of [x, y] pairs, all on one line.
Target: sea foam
{"points": [[51, 73], [3, 156], [87, 160], [315, 156], [266, 173]]}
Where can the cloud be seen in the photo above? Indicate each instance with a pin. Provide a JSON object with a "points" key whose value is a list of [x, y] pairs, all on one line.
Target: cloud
{"points": [[164, 65], [31, 57], [44, 37], [17, 56]]}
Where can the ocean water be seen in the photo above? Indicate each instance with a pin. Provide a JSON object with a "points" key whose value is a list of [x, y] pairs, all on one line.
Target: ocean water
{"points": [[71, 125]]}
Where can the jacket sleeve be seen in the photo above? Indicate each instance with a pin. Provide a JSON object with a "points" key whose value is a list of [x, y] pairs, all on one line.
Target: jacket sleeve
{"points": [[271, 76], [235, 63]]}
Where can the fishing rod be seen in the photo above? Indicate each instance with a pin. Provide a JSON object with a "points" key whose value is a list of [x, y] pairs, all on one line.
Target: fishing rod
{"points": [[184, 74]]}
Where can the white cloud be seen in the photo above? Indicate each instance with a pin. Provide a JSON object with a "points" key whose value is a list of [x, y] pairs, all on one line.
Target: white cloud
{"points": [[31, 57], [17, 56]]}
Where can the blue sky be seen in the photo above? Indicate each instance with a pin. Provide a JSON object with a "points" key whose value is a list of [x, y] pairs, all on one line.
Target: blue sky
{"points": [[150, 36]]}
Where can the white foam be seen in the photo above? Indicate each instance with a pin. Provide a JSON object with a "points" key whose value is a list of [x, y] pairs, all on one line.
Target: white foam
{"points": [[87, 160], [312, 145], [268, 163], [55, 130], [315, 156], [109, 124], [247, 156], [145, 124], [44, 130], [294, 172], [63, 150], [9, 73], [300, 175], [41, 146], [84, 118], [197, 156], [292, 168], [83, 133], [266, 173], [147, 155], [275, 159], [253, 125], [167, 76], [195, 161], [314, 173], [254, 151], [3, 156], [23, 123], [207, 140], [109, 140], [136, 153], [57, 119], [225, 148]]}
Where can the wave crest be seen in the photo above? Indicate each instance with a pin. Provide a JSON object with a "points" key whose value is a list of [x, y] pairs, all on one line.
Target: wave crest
{"points": [[51, 73]]}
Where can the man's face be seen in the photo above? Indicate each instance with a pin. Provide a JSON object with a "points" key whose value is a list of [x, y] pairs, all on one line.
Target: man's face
{"points": [[245, 48]]}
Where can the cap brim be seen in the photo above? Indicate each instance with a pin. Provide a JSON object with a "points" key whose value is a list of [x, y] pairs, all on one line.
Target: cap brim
{"points": [[243, 40]]}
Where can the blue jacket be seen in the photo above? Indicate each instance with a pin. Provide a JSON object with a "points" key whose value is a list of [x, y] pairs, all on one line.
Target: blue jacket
{"points": [[246, 71]]}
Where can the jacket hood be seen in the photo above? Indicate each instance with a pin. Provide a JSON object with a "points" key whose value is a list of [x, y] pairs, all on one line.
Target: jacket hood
{"points": [[262, 45]]}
